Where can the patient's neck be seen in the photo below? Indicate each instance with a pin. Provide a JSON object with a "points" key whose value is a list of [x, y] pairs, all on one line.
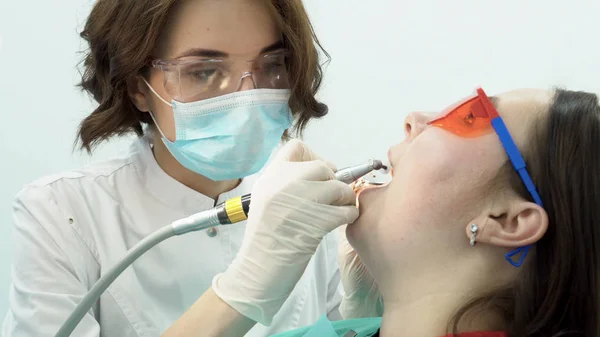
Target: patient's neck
{"points": [[422, 304]]}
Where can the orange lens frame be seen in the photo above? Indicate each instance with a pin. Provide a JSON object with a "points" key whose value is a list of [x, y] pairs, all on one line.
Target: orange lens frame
{"points": [[469, 118]]}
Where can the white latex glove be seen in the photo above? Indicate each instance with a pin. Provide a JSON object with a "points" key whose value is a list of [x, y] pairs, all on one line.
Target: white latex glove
{"points": [[361, 294], [295, 203]]}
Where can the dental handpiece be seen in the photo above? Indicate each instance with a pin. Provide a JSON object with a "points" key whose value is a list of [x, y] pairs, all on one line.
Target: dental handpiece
{"points": [[236, 209], [231, 211]]}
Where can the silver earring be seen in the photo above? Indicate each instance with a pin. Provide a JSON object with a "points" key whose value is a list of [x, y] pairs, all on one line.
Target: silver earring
{"points": [[473, 230]]}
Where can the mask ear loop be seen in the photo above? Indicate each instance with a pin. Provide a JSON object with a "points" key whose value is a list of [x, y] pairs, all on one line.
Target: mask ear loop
{"points": [[155, 93], [165, 139]]}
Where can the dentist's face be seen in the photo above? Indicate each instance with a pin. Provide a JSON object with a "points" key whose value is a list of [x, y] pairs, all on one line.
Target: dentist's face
{"points": [[223, 29], [441, 182]]}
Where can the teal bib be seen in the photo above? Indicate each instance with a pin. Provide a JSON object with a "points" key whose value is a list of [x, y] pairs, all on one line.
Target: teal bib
{"points": [[361, 327]]}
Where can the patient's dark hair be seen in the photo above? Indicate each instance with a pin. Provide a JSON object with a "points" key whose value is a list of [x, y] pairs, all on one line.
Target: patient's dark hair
{"points": [[557, 292]]}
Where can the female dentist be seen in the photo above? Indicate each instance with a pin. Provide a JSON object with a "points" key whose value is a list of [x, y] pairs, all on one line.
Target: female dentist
{"points": [[210, 87]]}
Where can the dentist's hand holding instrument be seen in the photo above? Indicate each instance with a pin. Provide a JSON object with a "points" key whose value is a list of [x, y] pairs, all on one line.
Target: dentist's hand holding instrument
{"points": [[295, 203]]}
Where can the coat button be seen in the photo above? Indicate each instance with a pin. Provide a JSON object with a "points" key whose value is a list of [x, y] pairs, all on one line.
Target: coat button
{"points": [[212, 232]]}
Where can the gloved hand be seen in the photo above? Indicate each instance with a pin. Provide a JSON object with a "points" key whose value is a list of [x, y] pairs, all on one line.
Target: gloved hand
{"points": [[295, 203], [362, 297]]}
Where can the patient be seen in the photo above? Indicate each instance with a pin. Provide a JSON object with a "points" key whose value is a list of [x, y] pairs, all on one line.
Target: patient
{"points": [[456, 242], [465, 240]]}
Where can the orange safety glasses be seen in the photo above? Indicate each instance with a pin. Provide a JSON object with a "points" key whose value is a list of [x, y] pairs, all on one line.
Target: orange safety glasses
{"points": [[469, 118], [477, 116]]}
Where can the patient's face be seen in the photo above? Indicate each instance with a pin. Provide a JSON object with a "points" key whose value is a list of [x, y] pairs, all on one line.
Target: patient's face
{"points": [[441, 182]]}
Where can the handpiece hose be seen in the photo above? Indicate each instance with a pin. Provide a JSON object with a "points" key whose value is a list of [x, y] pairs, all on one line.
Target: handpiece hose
{"points": [[229, 212]]}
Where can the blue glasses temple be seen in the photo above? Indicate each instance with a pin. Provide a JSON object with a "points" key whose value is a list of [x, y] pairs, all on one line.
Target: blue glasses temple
{"points": [[519, 165]]}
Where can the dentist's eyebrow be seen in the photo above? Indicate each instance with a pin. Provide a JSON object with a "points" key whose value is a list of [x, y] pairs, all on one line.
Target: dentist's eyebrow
{"points": [[221, 54]]}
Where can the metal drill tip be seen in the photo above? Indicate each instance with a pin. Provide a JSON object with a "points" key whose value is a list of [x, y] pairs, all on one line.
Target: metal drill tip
{"points": [[377, 164]]}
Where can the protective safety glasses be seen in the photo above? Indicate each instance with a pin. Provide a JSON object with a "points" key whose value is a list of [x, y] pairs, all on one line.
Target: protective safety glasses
{"points": [[475, 117], [194, 78]]}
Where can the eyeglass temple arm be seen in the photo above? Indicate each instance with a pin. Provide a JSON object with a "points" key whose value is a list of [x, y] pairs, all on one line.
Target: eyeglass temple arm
{"points": [[519, 164]]}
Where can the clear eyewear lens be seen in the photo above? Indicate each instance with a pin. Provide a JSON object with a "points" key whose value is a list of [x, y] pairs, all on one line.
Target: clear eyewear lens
{"points": [[194, 80]]}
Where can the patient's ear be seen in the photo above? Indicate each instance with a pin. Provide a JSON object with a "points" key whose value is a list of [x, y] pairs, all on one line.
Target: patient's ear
{"points": [[518, 224]]}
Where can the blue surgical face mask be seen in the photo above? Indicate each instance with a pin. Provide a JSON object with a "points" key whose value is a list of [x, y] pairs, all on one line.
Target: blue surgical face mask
{"points": [[230, 136]]}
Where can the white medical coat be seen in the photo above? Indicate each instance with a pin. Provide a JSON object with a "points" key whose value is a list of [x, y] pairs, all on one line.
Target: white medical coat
{"points": [[71, 228]]}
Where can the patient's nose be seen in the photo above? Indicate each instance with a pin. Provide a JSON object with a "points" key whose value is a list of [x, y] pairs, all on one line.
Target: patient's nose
{"points": [[415, 123]]}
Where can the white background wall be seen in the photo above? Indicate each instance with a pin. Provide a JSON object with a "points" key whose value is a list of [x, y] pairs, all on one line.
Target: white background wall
{"points": [[389, 57]]}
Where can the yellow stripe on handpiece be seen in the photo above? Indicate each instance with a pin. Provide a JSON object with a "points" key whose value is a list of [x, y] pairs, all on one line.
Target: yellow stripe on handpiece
{"points": [[235, 210]]}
